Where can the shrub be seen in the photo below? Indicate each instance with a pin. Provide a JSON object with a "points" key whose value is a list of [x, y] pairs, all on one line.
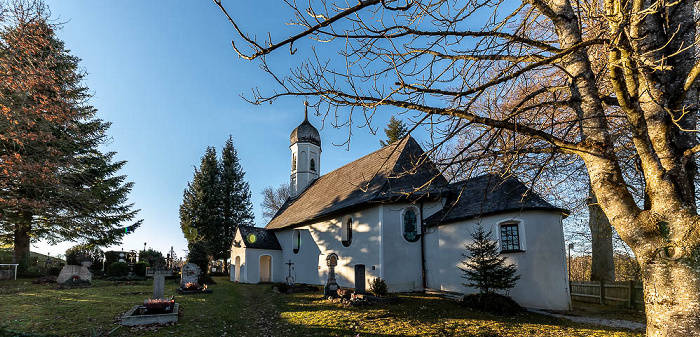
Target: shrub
{"points": [[117, 269], [140, 268], [31, 271], [76, 254], [54, 271], [492, 303], [378, 287], [199, 255], [152, 256]]}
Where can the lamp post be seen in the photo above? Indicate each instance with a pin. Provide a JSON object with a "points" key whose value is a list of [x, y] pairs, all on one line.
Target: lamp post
{"points": [[571, 246]]}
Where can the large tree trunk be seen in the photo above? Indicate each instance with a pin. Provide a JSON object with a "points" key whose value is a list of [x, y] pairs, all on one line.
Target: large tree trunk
{"points": [[672, 297], [602, 262], [22, 239]]}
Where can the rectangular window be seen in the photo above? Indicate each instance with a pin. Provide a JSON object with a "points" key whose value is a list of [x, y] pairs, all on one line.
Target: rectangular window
{"points": [[510, 238]]}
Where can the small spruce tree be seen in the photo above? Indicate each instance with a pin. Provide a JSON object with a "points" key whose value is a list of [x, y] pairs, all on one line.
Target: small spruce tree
{"points": [[484, 268], [395, 130]]}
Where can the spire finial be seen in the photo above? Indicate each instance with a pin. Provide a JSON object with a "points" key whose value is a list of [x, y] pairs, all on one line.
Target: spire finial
{"points": [[306, 110]]}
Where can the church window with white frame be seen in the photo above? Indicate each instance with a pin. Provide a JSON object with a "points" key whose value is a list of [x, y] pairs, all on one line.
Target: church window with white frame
{"points": [[510, 237], [296, 241], [346, 232], [410, 225], [312, 165]]}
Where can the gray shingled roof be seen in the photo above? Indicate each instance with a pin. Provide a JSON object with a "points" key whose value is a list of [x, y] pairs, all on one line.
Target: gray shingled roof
{"points": [[264, 239], [386, 174], [487, 194]]}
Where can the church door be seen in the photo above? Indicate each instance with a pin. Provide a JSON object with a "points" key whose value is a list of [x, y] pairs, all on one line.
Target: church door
{"points": [[265, 268]]}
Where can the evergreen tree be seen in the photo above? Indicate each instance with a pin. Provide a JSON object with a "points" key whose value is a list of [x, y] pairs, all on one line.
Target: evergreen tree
{"points": [[216, 202], [54, 182], [235, 196], [200, 212], [395, 130], [484, 268]]}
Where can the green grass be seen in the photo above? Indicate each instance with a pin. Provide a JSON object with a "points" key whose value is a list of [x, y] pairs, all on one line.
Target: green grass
{"points": [[254, 310]]}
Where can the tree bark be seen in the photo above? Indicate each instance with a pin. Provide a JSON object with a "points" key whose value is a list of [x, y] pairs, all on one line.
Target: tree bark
{"points": [[22, 238], [602, 262], [672, 297]]}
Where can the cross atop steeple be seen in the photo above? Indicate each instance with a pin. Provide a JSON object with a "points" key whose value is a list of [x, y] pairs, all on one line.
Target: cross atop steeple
{"points": [[306, 110]]}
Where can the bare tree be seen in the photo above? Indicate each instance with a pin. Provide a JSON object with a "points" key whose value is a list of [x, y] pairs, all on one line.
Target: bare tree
{"points": [[630, 118], [273, 199]]}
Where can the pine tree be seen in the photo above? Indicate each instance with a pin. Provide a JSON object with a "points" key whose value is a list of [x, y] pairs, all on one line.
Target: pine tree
{"points": [[235, 196], [55, 183], [484, 268], [395, 130]]}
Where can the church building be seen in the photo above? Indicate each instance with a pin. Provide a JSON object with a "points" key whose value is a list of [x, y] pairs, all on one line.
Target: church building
{"points": [[391, 214]]}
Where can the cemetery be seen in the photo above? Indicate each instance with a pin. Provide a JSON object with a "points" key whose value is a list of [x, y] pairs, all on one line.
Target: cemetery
{"points": [[234, 308]]}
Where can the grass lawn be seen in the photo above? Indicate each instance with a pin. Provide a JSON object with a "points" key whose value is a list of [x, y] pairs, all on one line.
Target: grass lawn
{"points": [[254, 310]]}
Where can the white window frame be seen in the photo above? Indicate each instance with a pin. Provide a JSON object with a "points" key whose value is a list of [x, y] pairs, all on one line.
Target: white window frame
{"points": [[521, 235]]}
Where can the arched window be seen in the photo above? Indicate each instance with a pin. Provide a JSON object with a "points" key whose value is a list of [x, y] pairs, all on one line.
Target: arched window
{"points": [[312, 165], [410, 226], [346, 232], [294, 162], [296, 240]]}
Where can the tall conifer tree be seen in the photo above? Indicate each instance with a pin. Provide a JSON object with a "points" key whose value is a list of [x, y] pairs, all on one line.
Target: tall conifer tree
{"points": [[55, 183], [200, 212], [216, 202], [235, 195]]}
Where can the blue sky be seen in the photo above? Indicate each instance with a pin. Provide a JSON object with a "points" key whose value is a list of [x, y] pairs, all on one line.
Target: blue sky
{"points": [[165, 75]]}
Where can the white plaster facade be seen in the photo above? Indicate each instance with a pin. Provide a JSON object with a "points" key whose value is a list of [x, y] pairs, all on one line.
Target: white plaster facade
{"points": [[378, 243], [311, 224]]}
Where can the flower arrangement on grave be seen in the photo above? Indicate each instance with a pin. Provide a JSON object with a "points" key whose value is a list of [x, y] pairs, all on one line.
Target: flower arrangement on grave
{"points": [[191, 286], [159, 304]]}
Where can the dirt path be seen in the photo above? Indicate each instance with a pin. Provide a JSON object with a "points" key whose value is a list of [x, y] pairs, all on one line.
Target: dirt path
{"points": [[614, 323]]}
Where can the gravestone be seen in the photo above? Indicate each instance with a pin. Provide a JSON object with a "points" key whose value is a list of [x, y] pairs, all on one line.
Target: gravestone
{"points": [[69, 271], [359, 279], [190, 274], [331, 288], [158, 280]]}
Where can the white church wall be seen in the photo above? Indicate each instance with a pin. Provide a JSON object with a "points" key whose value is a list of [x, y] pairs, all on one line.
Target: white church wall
{"points": [[305, 260], [238, 254], [323, 238], [401, 258], [252, 268], [542, 266]]}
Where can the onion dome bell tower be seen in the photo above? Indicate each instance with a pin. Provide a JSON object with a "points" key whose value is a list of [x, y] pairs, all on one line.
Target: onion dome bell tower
{"points": [[306, 155]]}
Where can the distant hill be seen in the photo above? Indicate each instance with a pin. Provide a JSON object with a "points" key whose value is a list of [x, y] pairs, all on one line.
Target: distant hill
{"points": [[37, 258]]}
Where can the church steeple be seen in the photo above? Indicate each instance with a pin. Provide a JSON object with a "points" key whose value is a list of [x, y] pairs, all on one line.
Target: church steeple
{"points": [[306, 155]]}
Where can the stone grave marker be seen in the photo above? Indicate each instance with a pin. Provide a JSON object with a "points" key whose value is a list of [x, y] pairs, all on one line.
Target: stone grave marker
{"points": [[158, 280], [190, 274], [360, 279], [69, 271], [331, 288]]}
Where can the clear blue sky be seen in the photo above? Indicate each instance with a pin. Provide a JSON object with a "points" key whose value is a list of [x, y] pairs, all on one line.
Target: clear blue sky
{"points": [[165, 75]]}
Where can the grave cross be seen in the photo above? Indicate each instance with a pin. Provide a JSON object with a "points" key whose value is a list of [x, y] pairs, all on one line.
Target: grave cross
{"points": [[290, 279], [158, 280], [332, 286]]}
